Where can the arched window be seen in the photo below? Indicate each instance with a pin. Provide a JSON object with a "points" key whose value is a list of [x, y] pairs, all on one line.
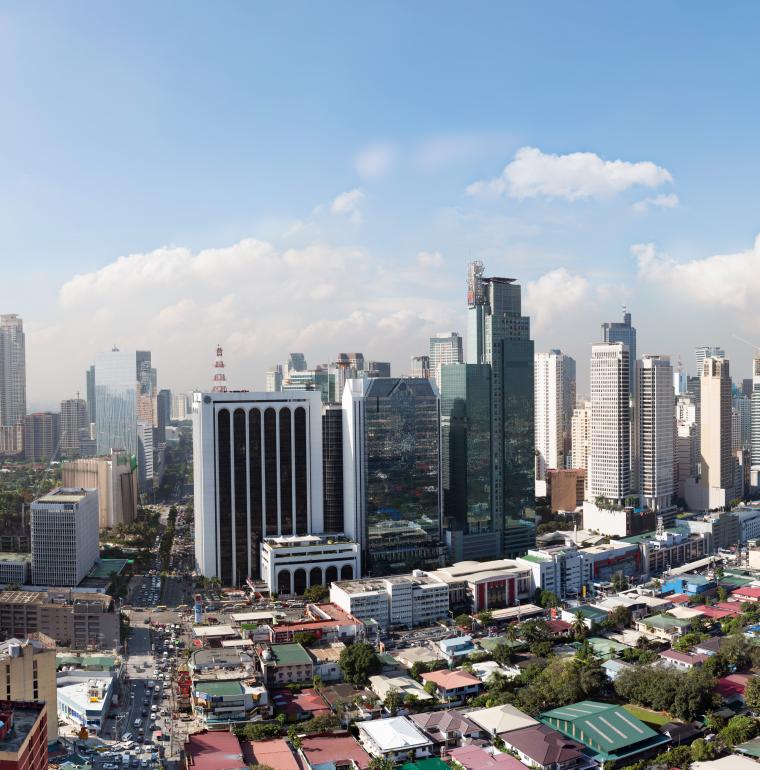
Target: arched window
{"points": [[299, 581], [346, 572]]}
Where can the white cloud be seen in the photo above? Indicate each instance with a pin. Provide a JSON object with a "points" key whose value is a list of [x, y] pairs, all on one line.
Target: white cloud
{"points": [[375, 161], [347, 204], [552, 297], [429, 259], [669, 201], [729, 280], [576, 176]]}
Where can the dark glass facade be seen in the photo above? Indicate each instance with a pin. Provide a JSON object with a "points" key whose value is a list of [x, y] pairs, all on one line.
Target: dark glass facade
{"points": [[466, 447], [401, 453], [332, 467], [224, 521]]}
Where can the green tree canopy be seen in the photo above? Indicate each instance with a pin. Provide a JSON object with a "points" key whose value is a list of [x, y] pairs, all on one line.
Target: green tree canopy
{"points": [[358, 662]]}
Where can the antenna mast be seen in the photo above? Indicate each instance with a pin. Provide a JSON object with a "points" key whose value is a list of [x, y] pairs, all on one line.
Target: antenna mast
{"points": [[220, 379]]}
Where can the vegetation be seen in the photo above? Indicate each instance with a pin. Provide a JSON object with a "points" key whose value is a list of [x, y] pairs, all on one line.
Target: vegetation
{"points": [[752, 693], [358, 662], [421, 667], [463, 620], [258, 731], [316, 594], [548, 599], [306, 638], [381, 763], [738, 730], [393, 700]]}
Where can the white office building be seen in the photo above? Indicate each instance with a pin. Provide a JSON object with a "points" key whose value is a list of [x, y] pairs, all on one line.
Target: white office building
{"points": [[445, 348], [554, 396], [653, 432], [257, 464], [580, 429], [755, 422], [609, 460], [64, 536], [274, 379], [180, 407]]}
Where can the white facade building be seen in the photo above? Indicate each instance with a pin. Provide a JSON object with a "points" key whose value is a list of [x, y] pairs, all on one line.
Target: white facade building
{"points": [[653, 431], [293, 563], [609, 461], [274, 379], [581, 437], [180, 408], [554, 400], [755, 422], [257, 463], [445, 348], [64, 536]]}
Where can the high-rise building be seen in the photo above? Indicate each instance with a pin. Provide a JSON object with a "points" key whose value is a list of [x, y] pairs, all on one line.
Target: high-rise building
{"points": [[616, 331], [274, 379], [554, 402], [755, 414], [391, 472], [74, 425], [609, 459], [163, 415], [581, 438], [12, 370], [687, 443], [420, 367], [498, 334], [257, 471], [332, 467], [297, 362], [716, 465], [12, 439], [116, 401], [466, 469], [27, 673], [64, 536], [180, 407], [42, 431], [143, 374], [144, 455], [115, 478], [742, 405], [445, 348], [707, 351], [91, 409], [378, 369], [24, 734], [653, 432]]}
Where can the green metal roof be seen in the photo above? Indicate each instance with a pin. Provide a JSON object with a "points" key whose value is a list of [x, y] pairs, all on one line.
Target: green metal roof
{"points": [[386, 659], [735, 581], [490, 643], [604, 648], [534, 558], [104, 567], [290, 654], [665, 622], [593, 613], [433, 763], [608, 730], [750, 748], [86, 661]]}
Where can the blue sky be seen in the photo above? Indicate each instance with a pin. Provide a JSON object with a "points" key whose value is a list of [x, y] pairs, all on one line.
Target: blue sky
{"points": [[296, 176]]}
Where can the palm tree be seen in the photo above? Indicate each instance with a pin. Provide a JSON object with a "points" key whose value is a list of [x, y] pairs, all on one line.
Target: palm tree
{"points": [[579, 627], [512, 633]]}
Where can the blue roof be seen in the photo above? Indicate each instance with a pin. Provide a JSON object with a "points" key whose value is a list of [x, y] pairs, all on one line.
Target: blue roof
{"points": [[456, 641]]}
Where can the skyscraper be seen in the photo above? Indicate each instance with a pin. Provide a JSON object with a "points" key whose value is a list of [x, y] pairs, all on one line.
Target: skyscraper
{"points": [[163, 414], [91, 409], [499, 335], [554, 402], [257, 470], [687, 443], [755, 416], [707, 351], [74, 425], [391, 472], [466, 469], [615, 331], [116, 401], [581, 438], [332, 467], [12, 370], [297, 362], [609, 460], [420, 367], [274, 379], [445, 348], [653, 432], [41, 435]]}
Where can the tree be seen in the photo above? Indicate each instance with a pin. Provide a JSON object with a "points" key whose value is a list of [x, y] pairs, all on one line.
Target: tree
{"points": [[393, 699], [752, 693], [721, 594], [579, 627], [295, 740], [485, 617], [257, 766], [358, 662], [502, 654], [738, 730], [380, 763], [306, 638], [316, 594], [619, 582], [258, 731], [619, 618], [463, 620], [549, 599], [702, 751], [430, 688]]}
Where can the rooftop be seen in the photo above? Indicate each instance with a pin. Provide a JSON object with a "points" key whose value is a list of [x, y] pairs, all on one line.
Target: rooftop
{"points": [[394, 734], [64, 495], [24, 716], [501, 719], [307, 703], [544, 745], [475, 758], [290, 654], [431, 763], [382, 685], [15, 557], [437, 723], [319, 749], [448, 680], [204, 632], [665, 622], [220, 688], [214, 751], [276, 754]]}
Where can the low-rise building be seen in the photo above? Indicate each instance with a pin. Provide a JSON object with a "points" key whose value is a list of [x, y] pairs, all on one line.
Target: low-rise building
{"points": [[355, 704], [453, 687], [497, 720], [23, 735], [285, 663], [85, 703], [326, 661], [477, 758], [456, 648], [404, 685], [664, 627], [218, 750], [395, 738], [76, 619], [446, 729], [333, 752], [327, 622], [299, 706], [684, 661], [275, 753], [691, 585], [402, 600], [15, 568], [542, 747], [219, 702]]}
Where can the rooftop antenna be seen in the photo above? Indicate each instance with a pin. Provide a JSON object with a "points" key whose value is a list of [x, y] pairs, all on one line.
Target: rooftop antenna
{"points": [[220, 379]]}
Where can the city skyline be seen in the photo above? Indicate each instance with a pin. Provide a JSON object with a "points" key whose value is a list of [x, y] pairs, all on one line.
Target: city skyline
{"points": [[193, 230]]}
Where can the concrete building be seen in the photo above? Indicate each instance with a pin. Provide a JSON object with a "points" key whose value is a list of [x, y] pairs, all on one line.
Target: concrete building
{"points": [[498, 334], [687, 443], [64, 536], [554, 403], [27, 673], [391, 479], [290, 564], [420, 367], [401, 600], [282, 664], [707, 351], [76, 619], [274, 379], [653, 432], [75, 425], [581, 438], [115, 478], [755, 423], [15, 568], [617, 331], [396, 739], [12, 370], [565, 489], [85, 703], [181, 408], [257, 469], [332, 468], [12, 439], [445, 348], [41, 436], [23, 735]]}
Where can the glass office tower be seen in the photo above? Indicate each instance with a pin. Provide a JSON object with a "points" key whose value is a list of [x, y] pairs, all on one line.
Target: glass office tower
{"points": [[116, 401]]}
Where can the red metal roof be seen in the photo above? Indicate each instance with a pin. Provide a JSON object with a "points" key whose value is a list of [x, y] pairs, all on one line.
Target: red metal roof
{"points": [[748, 591], [714, 612], [319, 749], [307, 703], [214, 751], [448, 680], [694, 658], [678, 599], [275, 754]]}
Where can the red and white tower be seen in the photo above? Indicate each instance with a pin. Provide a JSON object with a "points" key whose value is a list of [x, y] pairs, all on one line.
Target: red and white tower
{"points": [[220, 379]]}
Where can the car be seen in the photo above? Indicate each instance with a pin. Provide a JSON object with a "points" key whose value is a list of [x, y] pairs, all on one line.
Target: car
{"points": [[126, 737], [145, 712], [110, 766]]}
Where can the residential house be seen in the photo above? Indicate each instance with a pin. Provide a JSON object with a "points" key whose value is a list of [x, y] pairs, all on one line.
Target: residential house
{"points": [[214, 751], [497, 720], [542, 747], [455, 649], [396, 738], [477, 758], [682, 660], [333, 752], [453, 687], [275, 753], [352, 703], [298, 706], [663, 627], [404, 685], [446, 729]]}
